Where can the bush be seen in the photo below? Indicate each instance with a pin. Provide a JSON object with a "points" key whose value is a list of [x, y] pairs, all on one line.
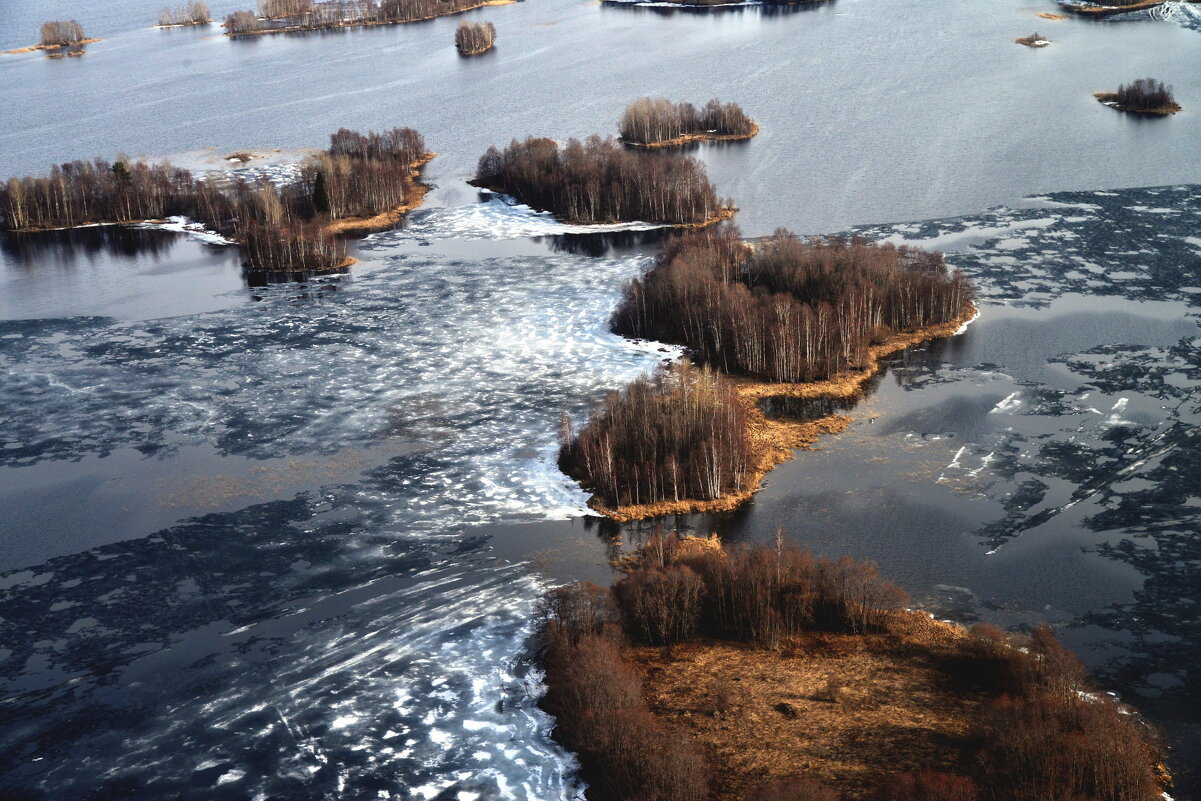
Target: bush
{"points": [[661, 605], [797, 788], [927, 787]]}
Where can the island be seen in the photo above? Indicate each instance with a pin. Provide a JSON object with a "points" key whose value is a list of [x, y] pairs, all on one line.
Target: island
{"points": [[655, 122], [782, 318], [599, 181], [1111, 8], [62, 37], [292, 16], [474, 38], [1145, 96], [194, 13], [1033, 40], [361, 183], [764, 673]]}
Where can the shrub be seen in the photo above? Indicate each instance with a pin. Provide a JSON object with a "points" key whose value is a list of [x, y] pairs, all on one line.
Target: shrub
{"points": [[927, 787], [797, 788], [661, 605], [241, 22]]}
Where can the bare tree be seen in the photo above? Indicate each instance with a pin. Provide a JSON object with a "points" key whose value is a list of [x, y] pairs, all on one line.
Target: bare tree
{"points": [[473, 38]]}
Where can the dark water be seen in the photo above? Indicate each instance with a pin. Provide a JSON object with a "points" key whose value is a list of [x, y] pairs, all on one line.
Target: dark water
{"points": [[284, 541]]}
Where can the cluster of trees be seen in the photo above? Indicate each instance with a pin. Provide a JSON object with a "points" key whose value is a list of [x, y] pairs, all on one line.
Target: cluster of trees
{"points": [[650, 120], [598, 181], [61, 33], [472, 38], [1043, 732], [1144, 94], [279, 227], [194, 13], [787, 309], [303, 15], [679, 433]]}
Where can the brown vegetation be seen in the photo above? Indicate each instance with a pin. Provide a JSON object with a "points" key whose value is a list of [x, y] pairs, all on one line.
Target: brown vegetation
{"points": [[1108, 8], [363, 182], [194, 12], [473, 38], [284, 16], [61, 33], [649, 122], [1143, 96], [791, 677], [598, 181], [1033, 40], [791, 318]]}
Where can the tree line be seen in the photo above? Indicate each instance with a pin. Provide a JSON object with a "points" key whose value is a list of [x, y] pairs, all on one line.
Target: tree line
{"points": [[301, 15], [651, 120], [61, 33], [598, 181], [472, 38], [787, 309], [678, 433], [194, 12], [1144, 94], [1042, 730], [281, 227]]}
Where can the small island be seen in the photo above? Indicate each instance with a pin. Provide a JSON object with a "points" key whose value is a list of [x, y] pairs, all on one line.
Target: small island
{"points": [[655, 122], [293, 16], [361, 183], [783, 318], [1145, 96], [474, 38], [1033, 40], [61, 37], [764, 673], [194, 13], [599, 181]]}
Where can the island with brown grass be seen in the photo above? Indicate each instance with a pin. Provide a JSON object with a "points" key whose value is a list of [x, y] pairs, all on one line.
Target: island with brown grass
{"points": [[361, 183], [60, 38], [474, 38], [655, 122], [784, 318], [1033, 40], [1145, 96], [763, 673], [295, 16], [599, 181]]}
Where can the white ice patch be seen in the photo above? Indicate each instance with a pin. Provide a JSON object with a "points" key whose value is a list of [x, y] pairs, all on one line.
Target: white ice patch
{"points": [[498, 218], [1011, 402]]}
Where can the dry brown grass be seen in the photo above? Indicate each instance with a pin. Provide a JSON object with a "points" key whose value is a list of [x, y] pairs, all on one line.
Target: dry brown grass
{"points": [[892, 711], [1049, 15], [776, 441], [688, 139], [385, 220], [34, 48]]}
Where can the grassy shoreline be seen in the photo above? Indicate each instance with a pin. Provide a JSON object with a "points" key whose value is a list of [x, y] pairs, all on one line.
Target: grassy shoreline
{"points": [[367, 24], [1110, 99], [695, 138]]}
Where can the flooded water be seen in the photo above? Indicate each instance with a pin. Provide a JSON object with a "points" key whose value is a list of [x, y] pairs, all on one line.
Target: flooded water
{"points": [[284, 541]]}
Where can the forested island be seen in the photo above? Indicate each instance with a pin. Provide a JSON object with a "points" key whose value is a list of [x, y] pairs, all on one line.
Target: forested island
{"points": [[763, 673], [1143, 96], [362, 182], [1110, 8], [785, 317], [59, 38], [655, 122], [473, 38], [599, 181], [194, 13], [285, 16]]}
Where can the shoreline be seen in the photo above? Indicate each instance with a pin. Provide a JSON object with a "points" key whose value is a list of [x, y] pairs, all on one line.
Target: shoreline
{"points": [[1109, 99], [776, 441], [723, 213], [37, 47], [695, 138], [1102, 10], [368, 24]]}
